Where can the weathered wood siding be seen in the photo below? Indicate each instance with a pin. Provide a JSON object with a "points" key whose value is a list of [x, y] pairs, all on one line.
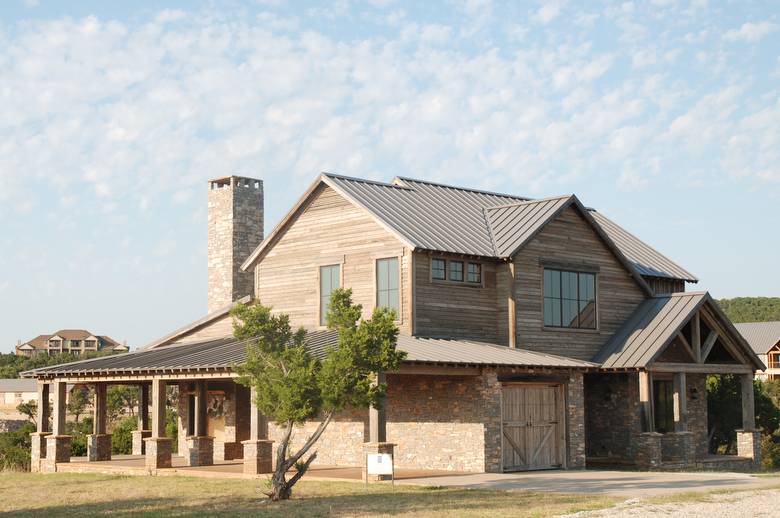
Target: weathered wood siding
{"points": [[217, 329], [453, 310], [328, 230], [662, 286], [570, 240]]}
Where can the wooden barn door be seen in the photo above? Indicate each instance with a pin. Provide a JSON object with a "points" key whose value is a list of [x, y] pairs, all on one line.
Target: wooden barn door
{"points": [[532, 426]]}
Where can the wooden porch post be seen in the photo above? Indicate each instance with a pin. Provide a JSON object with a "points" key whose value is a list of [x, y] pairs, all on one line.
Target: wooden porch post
{"points": [[60, 394], [646, 401], [258, 423], [680, 403], [748, 404], [158, 408], [512, 307], [143, 408], [42, 424], [100, 409], [377, 421], [201, 409]]}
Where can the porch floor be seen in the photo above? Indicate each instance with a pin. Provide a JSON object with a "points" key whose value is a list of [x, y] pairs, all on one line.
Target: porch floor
{"points": [[134, 465]]}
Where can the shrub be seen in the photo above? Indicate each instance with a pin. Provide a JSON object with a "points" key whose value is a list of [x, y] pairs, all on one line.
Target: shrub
{"points": [[172, 428], [122, 435], [15, 448], [770, 451], [78, 432]]}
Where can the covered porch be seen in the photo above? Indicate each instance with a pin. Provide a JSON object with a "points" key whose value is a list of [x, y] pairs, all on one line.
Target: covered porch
{"points": [[658, 365]]}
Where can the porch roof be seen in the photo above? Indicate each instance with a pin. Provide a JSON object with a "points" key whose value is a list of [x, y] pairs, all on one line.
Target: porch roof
{"points": [[221, 354]]}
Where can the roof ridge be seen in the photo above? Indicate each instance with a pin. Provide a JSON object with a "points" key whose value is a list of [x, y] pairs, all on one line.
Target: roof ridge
{"points": [[364, 180], [529, 201], [459, 188]]}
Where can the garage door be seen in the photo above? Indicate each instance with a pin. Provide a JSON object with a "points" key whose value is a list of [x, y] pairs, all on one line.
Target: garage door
{"points": [[532, 426]]}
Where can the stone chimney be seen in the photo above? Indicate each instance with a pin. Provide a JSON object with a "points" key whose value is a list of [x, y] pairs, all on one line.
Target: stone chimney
{"points": [[235, 224]]}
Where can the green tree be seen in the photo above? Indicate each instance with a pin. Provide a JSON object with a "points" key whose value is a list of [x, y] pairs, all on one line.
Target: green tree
{"points": [[751, 309], [293, 386], [78, 401], [29, 409], [121, 400]]}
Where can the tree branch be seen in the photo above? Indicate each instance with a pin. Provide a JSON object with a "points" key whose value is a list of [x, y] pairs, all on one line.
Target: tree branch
{"points": [[299, 473], [309, 443]]}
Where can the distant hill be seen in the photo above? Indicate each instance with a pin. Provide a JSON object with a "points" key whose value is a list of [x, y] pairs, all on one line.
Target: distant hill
{"points": [[752, 309]]}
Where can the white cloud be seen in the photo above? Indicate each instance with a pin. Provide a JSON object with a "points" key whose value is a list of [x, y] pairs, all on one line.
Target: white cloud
{"points": [[548, 11], [750, 32]]}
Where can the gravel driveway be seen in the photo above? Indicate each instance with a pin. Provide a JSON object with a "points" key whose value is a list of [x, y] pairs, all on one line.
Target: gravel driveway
{"points": [[731, 505]]}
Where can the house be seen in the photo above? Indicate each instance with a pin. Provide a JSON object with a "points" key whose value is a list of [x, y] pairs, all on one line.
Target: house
{"points": [[764, 338], [14, 392], [539, 334], [73, 341]]}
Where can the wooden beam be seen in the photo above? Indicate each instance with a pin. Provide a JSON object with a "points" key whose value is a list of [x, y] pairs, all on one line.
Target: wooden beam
{"points": [[201, 409], [42, 419], [377, 420], [708, 345], [258, 423], [646, 400], [158, 408], [686, 345], [60, 394], [143, 407], [680, 403], [696, 337], [701, 368], [748, 404], [434, 370], [100, 410], [512, 306]]}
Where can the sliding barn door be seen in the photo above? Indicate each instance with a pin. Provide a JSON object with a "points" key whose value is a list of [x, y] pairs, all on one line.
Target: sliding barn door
{"points": [[532, 427]]}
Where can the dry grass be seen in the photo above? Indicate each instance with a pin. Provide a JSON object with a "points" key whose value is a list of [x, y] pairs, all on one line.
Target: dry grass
{"points": [[100, 495]]}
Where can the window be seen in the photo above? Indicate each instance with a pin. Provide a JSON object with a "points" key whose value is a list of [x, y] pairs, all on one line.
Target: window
{"points": [[387, 284], [474, 273], [456, 271], [663, 400], [774, 361], [569, 299], [438, 269], [329, 281]]}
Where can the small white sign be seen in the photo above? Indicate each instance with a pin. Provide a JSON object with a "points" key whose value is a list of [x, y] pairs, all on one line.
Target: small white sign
{"points": [[380, 464]]}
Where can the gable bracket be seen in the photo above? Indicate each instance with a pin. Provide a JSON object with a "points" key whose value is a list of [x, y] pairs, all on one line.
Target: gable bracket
{"points": [[708, 345]]}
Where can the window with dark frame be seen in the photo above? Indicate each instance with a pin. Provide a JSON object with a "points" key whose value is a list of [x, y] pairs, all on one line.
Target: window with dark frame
{"points": [[329, 281], [663, 401], [439, 269], [456, 271], [569, 299], [474, 273], [387, 284]]}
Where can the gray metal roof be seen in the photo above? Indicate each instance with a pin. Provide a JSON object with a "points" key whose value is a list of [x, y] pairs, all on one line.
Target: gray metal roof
{"points": [[645, 258], [761, 336], [18, 385], [432, 216], [654, 325], [221, 354]]}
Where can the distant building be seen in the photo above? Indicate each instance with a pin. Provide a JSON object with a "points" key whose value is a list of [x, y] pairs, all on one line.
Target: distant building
{"points": [[764, 338], [73, 341]]}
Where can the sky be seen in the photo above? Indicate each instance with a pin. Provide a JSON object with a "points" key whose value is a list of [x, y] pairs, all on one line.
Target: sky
{"points": [[664, 115]]}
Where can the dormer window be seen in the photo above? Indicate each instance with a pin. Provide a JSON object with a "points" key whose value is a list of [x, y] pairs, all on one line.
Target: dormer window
{"points": [[569, 299]]}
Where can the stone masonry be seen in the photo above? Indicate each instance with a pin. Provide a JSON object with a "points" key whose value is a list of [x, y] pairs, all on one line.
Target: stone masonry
{"points": [[575, 400], [235, 228], [99, 447], [749, 445], [38, 450], [139, 447]]}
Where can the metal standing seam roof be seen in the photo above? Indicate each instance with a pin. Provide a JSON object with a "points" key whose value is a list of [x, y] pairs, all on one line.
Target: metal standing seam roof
{"points": [[432, 216], [18, 385], [652, 326], [761, 336], [223, 353]]}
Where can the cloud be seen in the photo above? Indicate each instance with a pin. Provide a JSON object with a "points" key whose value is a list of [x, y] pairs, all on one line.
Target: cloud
{"points": [[750, 32], [548, 12]]}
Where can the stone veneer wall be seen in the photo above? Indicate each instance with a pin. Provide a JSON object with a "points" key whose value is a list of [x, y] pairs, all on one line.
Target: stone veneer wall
{"points": [[611, 415], [697, 412], [575, 426]]}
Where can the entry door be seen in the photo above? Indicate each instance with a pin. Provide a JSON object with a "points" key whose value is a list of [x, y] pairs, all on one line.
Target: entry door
{"points": [[532, 427]]}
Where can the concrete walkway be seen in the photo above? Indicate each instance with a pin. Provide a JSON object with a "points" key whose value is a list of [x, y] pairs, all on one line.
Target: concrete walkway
{"points": [[618, 483]]}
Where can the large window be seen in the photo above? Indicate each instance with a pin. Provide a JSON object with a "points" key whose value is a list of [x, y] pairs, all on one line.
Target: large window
{"points": [[438, 269], [456, 271], [329, 281], [569, 299], [663, 401], [387, 284]]}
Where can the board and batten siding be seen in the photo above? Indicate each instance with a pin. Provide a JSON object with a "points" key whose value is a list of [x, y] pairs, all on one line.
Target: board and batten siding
{"points": [[456, 310], [328, 230], [219, 328], [570, 240]]}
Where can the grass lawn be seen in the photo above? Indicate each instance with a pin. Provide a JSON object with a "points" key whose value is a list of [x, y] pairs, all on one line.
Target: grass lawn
{"points": [[25, 494]]}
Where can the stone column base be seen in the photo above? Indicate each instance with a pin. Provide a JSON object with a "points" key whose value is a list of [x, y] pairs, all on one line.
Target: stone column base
{"points": [[649, 453], [139, 447], [374, 448], [228, 451], [98, 447], [749, 445], [200, 450], [158, 452], [678, 447], [258, 456], [38, 450], [57, 450]]}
